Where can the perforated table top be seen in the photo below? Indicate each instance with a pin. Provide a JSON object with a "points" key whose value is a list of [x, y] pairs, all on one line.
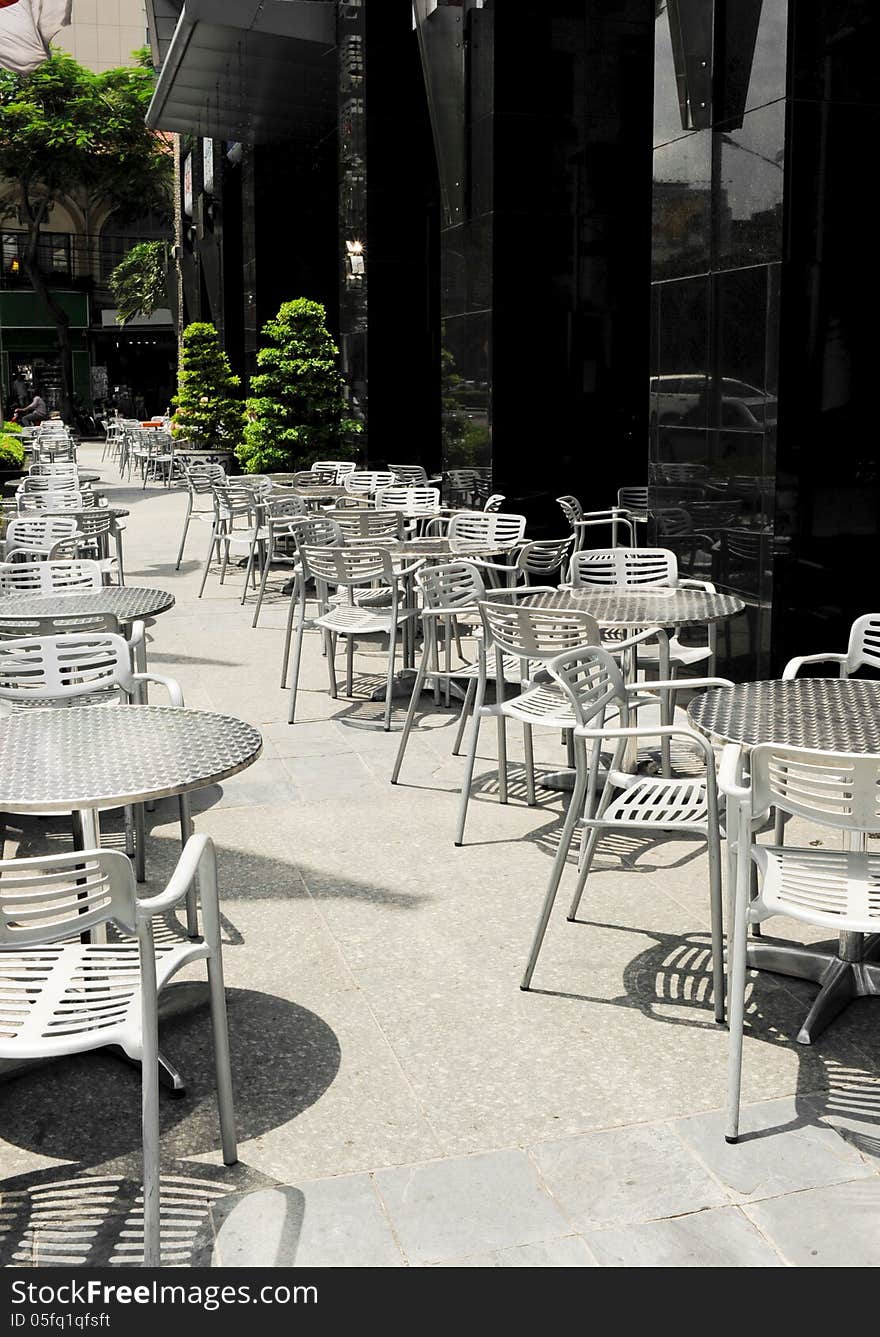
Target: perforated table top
{"points": [[831, 714], [59, 760], [127, 603], [656, 607]]}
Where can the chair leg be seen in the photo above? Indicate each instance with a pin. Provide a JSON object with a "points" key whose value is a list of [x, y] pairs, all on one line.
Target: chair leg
{"points": [[224, 561], [736, 1008], [349, 666], [150, 1098], [529, 754], [389, 681], [501, 727], [262, 590], [331, 664], [297, 656], [249, 568], [192, 896], [219, 1024], [211, 546], [575, 809], [716, 919], [471, 760], [140, 843], [413, 705], [288, 631], [467, 707]]}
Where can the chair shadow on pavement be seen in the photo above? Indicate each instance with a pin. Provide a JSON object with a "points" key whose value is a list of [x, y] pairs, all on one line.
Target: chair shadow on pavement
{"points": [[87, 1110]]}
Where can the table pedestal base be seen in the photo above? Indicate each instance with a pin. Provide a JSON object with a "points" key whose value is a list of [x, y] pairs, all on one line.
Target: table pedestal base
{"points": [[840, 980]]}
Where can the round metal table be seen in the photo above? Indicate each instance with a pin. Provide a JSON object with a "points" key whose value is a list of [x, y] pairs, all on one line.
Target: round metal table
{"points": [[828, 714], [446, 550], [656, 607], [127, 603], [92, 757]]}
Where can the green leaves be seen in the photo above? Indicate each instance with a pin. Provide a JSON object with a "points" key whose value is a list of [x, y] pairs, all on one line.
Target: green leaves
{"points": [[139, 281], [209, 411], [297, 409]]}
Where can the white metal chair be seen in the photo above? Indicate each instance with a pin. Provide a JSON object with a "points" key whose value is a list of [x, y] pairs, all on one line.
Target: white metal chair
{"points": [[316, 531], [351, 569], [532, 636], [644, 568], [833, 889], [63, 996], [65, 577], [339, 467], [581, 521], [862, 651], [412, 498], [366, 482], [40, 537], [593, 688], [369, 524], [633, 499], [493, 528], [234, 524], [31, 502], [410, 475], [540, 557], [273, 542], [199, 480]]}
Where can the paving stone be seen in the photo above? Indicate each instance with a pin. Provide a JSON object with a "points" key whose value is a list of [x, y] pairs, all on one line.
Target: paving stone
{"points": [[625, 1174], [324, 1223], [781, 1150], [568, 1252], [719, 1238], [477, 1204], [837, 1226]]}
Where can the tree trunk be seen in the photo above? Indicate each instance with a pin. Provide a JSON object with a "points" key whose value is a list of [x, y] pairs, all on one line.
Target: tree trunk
{"points": [[36, 216], [40, 285]]}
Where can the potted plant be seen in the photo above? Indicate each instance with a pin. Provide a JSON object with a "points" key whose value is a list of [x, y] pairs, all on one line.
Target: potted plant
{"points": [[208, 410], [296, 411]]}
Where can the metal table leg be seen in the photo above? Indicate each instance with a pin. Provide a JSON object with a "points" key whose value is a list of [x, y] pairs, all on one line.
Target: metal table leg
{"points": [[854, 972]]}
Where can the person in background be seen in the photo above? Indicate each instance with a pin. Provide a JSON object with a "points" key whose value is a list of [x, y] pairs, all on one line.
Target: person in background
{"points": [[33, 413]]}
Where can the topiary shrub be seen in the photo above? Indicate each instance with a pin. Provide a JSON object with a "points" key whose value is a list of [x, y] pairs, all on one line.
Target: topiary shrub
{"points": [[11, 451], [11, 429], [296, 411], [208, 410]]}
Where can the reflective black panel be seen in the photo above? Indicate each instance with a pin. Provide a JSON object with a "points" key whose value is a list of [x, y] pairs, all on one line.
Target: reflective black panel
{"points": [[682, 206], [750, 188]]}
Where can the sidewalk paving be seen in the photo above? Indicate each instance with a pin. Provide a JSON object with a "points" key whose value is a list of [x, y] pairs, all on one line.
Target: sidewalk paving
{"points": [[400, 1102]]}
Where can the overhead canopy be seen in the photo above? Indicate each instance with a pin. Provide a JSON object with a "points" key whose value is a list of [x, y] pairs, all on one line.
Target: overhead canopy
{"points": [[249, 70]]}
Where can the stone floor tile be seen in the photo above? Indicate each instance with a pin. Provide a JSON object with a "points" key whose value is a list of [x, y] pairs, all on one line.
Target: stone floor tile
{"points": [[718, 1238], [625, 1175], [836, 1226], [476, 1204], [568, 1252]]}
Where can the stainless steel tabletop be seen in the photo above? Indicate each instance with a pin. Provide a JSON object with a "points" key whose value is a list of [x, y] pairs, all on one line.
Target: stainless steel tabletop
{"points": [[656, 607], [59, 760], [446, 550], [127, 603], [831, 714]]}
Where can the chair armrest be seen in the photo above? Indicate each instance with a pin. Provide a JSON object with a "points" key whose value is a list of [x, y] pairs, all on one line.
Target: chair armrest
{"points": [[728, 781], [171, 685], [650, 731], [677, 684], [705, 585], [794, 665], [198, 849]]}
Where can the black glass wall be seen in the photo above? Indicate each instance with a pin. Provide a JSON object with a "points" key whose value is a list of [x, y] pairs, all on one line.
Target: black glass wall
{"points": [[541, 115]]}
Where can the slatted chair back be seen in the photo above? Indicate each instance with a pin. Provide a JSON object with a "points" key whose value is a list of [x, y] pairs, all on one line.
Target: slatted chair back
{"points": [[281, 507], [370, 524], [863, 650], [591, 681], [633, 498], [200, 478], [410, 475], [544, 557], [609, 568], [409, 498], [452, 585], [365, 482], [50, 481], [53, 897], [338, 467], [836, 789], [571, 509], [43, 669], [317, 531], [493, 528], [64, 577], [536, 633], [38, 534], [30, 502], [494, 502], [347, 567]]}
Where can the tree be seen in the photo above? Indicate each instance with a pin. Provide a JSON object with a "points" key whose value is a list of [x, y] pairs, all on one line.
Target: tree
{"points": [[209, 409], [69, 134], [139, 283], [297, 410]]}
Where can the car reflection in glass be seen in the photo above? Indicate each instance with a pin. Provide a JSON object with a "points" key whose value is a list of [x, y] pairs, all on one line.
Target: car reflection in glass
{"points": [[684, 401]]}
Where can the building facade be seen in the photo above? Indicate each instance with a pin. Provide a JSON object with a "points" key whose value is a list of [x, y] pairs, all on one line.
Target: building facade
{"points": [[568, 246], [131, 366]]}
